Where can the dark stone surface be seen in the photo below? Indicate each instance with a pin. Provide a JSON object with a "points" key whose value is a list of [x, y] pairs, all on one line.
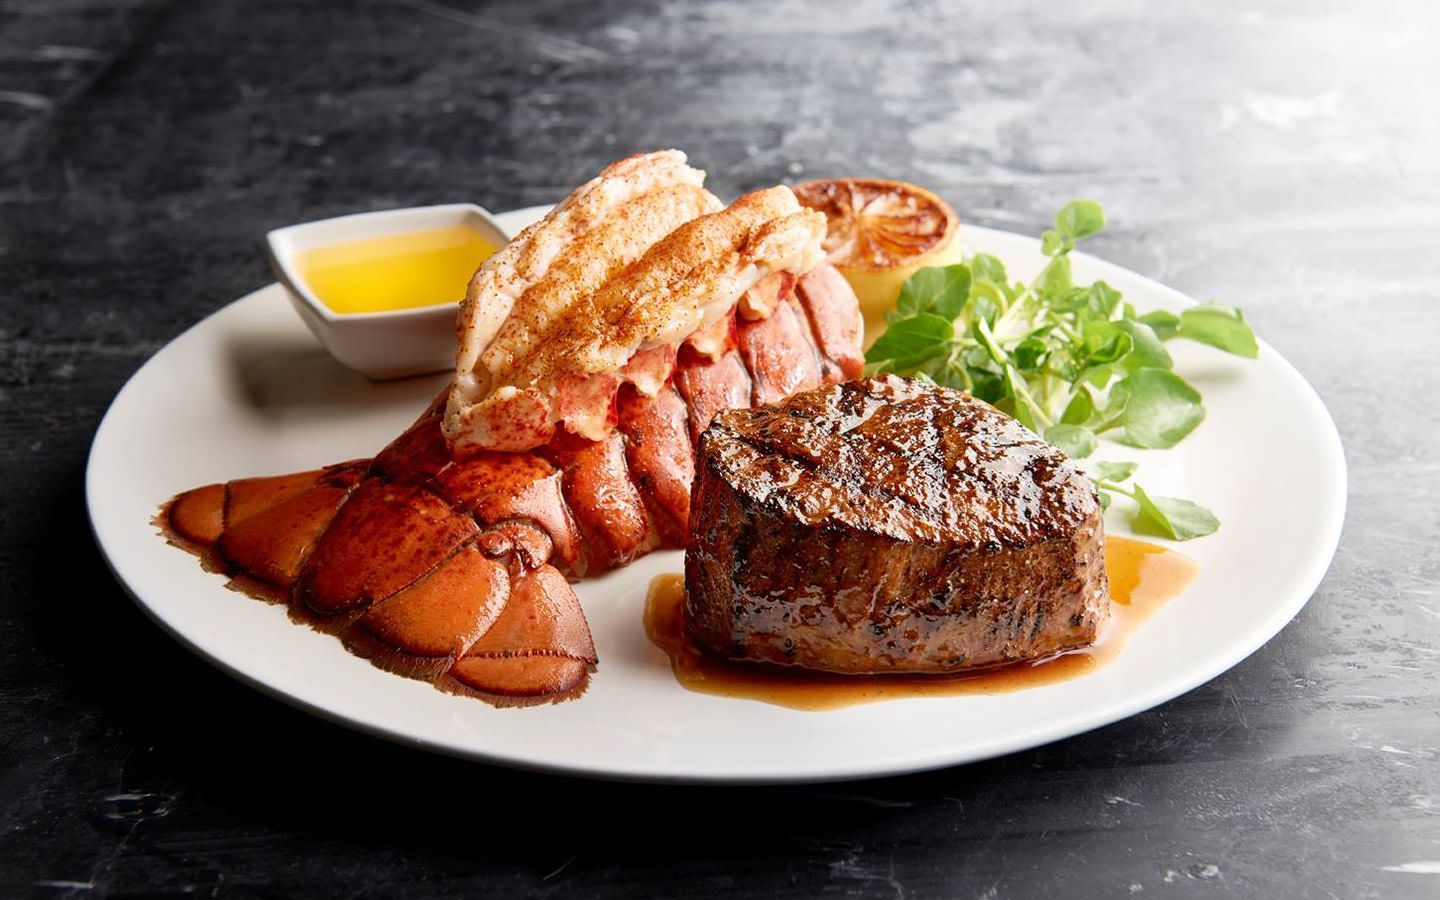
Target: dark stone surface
{"points": [[1284, 158]]}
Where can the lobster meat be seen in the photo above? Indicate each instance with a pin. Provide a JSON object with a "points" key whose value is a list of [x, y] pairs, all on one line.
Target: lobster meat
{"points": [[448, 556]]}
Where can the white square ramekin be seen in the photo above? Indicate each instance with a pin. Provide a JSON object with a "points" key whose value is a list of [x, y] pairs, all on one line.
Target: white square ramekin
{"points": [[382, 345]]}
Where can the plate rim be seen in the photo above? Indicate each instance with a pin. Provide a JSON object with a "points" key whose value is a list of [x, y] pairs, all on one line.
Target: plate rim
{"points": [[1302, 586]]}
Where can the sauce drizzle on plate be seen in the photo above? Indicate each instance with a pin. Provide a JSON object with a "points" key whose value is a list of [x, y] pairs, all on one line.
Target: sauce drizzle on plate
{"points": [[1143, 578]]}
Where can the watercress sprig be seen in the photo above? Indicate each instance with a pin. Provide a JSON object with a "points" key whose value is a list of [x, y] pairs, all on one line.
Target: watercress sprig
{"points": [[1071, 362]]}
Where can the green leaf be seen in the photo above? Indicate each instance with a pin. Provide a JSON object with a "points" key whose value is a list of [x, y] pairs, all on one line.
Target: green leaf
{"points": [[1030, 353], [1099, 376], [1181, 520], [1052, 243], [1109, 415], [1062, 365], [910, 341], [1079, 219], [1104, 500], [976, 358], [987, 386], [1161, 408], [984, 267], [1164, 323], [989, 291], [1147, 351], [1077, 441], [980, 330], [1115, 472], [1219, 326], [934, 367], [1057, 281], [1107, 345], [983, 309], [1024, 407], [1080, 408], [943, 290], [1104, 300]]}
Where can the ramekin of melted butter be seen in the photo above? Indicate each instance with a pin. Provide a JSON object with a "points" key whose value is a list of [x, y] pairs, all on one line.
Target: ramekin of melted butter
{"points": [[380, 290], [1143, 578]]}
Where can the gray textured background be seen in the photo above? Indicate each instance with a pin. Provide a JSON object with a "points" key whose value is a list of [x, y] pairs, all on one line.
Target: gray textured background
{"points": [[1281, 156]]}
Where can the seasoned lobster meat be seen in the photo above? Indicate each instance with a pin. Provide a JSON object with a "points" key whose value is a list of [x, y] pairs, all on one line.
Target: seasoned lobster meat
{"points": [[595, 348], [557, 363]]}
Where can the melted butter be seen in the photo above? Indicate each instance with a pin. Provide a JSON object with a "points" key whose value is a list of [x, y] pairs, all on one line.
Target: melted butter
{"points": [[1143, 578], [395, 271]]}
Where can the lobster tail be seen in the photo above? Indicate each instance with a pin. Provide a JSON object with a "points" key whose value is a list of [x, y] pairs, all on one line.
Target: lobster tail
{"points": [[453, 567], [593, 351]]}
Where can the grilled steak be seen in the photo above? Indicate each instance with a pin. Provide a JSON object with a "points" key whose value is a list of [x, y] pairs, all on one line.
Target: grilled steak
{"points": [[887, 525]]}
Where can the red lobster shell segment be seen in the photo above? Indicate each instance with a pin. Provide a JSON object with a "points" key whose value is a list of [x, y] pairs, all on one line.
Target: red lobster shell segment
{"points": [[451, 566]]}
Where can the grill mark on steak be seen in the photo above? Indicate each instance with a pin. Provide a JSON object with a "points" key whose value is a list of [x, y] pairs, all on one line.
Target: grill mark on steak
{"points": [[767, 447], [998, 454]]}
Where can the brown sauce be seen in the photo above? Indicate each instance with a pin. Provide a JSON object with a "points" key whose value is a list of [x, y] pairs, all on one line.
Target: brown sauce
{"points": [[1143, 578]]}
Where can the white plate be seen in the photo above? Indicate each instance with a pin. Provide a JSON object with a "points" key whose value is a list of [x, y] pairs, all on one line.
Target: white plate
{"points": [[248, 391]]}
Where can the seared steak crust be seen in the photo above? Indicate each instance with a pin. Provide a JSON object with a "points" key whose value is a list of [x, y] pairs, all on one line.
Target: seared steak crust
{"points": [[887, 525]]}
